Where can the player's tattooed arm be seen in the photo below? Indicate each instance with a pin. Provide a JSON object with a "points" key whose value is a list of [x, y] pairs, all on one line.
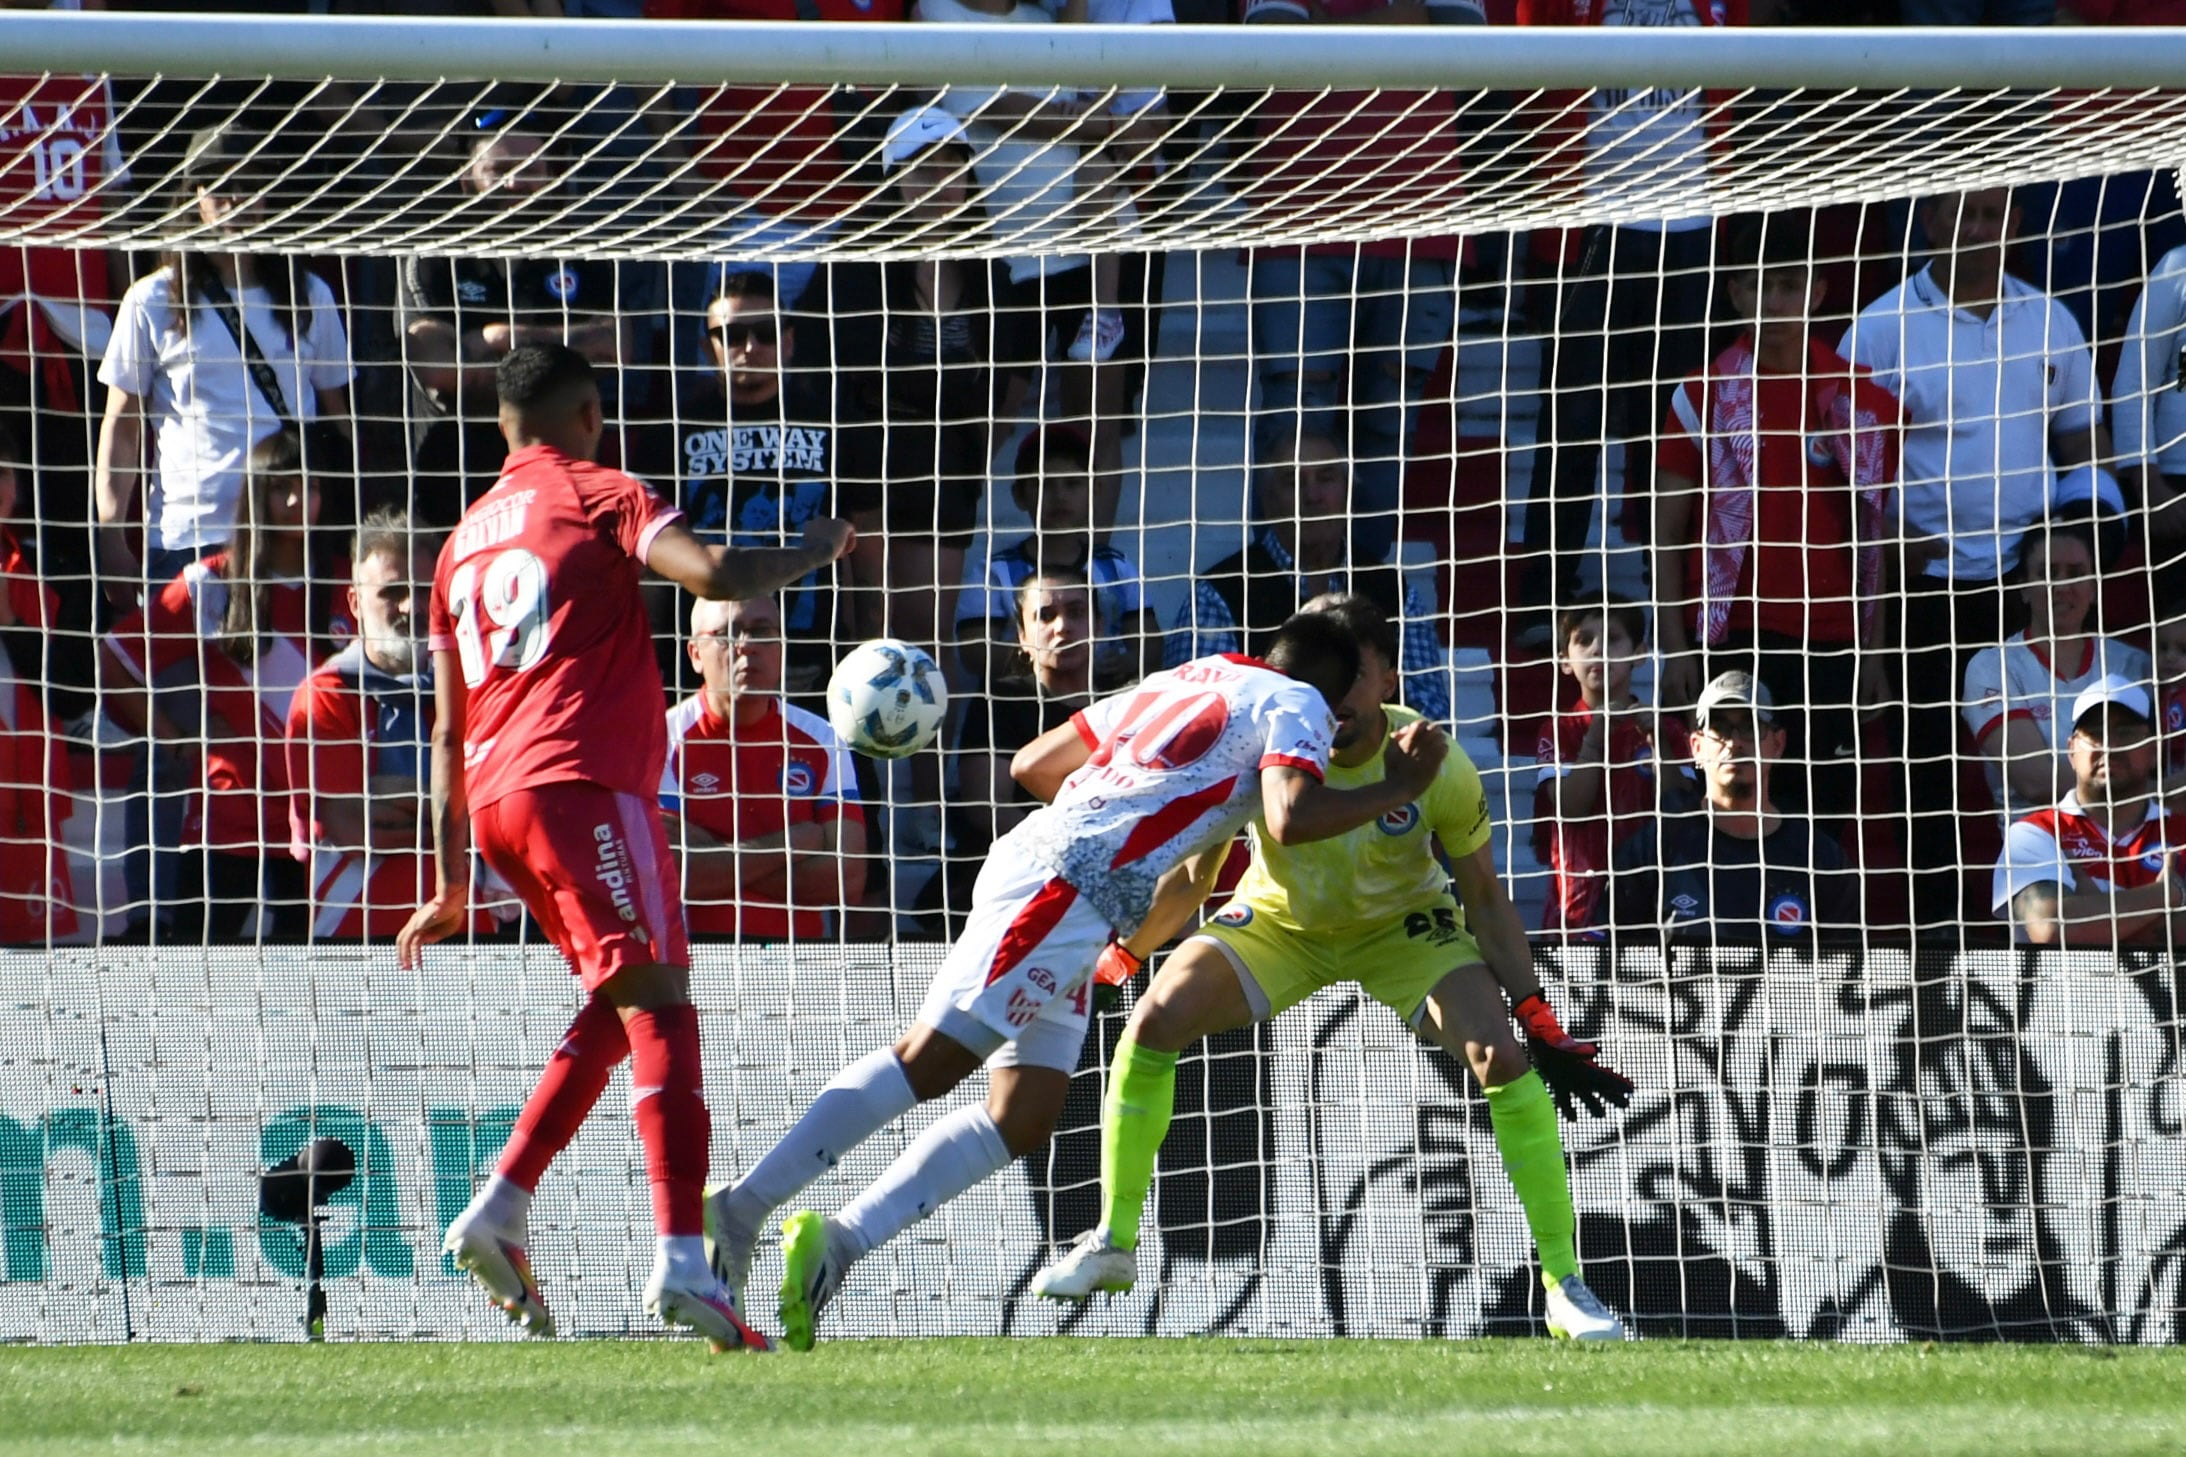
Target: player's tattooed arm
{"points": [[2054, 916], [736, 573]]}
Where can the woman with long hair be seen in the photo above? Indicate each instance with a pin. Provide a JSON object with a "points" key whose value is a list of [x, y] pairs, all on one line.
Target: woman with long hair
{"points": [[206, 670], [2018, 695], [178, 359]]}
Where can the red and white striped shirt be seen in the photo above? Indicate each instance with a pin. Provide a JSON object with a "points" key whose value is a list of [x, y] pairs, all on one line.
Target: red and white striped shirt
{"points": [[1175, 767], [2067, 847]]}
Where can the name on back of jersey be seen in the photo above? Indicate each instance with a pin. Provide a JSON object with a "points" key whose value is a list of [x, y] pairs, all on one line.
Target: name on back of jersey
{"points": [[497, 522]]}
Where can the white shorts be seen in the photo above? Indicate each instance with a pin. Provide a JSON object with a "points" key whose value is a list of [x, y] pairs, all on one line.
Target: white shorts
{"points": [[1016, 986]]}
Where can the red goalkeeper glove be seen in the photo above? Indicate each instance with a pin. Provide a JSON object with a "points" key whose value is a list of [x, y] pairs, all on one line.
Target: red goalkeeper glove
{"points": [[1571, 1068], [1116, 967]]}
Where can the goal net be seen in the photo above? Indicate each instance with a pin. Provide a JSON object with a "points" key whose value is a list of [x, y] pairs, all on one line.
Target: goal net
{"points": [[1603, 363]]}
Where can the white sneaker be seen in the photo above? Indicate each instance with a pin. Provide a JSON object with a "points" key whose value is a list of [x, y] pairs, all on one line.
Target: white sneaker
{"points": [[494, 1256], [706, 1306], [1100, 334], [729, 1246], [1576, 1313], [1090, 1265]]}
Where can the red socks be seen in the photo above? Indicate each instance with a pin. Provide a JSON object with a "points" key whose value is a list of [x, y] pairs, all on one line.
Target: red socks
{"points": [[668, 1100], [568, 1088]]}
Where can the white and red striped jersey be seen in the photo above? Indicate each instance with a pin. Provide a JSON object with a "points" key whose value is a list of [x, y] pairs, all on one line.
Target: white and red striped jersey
{"points": [[2066, 846], [2018, 680], [1175, 767]]}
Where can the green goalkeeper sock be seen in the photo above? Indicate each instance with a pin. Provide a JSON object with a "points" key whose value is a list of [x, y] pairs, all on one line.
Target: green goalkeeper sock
{"points": [[1134, 1121], [1533, 1155]]}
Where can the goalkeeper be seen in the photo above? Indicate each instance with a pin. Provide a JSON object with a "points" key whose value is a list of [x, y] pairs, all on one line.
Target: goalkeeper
{"points": [[1372, 906]]}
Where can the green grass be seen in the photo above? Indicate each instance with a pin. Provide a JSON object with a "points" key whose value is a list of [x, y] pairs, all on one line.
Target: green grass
{"points": [[1119, 1398]]}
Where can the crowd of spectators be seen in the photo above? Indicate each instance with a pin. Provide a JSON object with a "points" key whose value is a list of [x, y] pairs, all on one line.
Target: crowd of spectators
{"points": [[1895, 523]]}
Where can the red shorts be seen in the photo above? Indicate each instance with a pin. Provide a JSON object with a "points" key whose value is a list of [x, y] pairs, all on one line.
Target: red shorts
{"points": [[592, 866]]}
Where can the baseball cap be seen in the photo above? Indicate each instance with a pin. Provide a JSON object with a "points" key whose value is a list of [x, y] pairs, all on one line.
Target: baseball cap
{"points": [[915, 131], [2109, 689], [1735, 690], [217, 151]]}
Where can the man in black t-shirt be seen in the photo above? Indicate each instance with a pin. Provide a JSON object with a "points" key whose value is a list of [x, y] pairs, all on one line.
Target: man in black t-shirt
{"points": [[461, 315], [758, 448], [1736, 869]]}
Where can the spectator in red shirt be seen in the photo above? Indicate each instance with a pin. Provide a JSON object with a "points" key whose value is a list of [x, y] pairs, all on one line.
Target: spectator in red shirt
{"points": [[56, 315], [206, 669], [358, 731], [758, 793], [1602, 762], [37, 895], [1774, 469]]}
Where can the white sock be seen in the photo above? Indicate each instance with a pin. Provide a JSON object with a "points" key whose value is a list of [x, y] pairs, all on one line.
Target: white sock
{"points": [[865, 1097], [948, 1158], [502, 1204], [683, 1256]]}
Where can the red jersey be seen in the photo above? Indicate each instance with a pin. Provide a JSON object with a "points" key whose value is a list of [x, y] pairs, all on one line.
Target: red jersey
{"points": [[745, 782], [1577, 850], [781, 146], [240, 709], [536, 593], [59, 156], [1800, 576], [2067, 847], [350, 725]]}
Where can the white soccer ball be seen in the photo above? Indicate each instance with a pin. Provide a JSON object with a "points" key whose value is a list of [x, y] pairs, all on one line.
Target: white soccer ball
{"points": [[887, 698]]}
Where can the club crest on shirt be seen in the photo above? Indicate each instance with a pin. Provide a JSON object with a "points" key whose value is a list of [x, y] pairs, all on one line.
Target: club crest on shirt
{"points": [[2154, 859], [1398, 820], [796, 778], [562, 283], [1234, 914], [1787, 914]]}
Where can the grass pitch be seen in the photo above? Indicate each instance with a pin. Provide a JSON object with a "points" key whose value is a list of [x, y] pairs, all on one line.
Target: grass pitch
{"points": [[1118, 1398]]}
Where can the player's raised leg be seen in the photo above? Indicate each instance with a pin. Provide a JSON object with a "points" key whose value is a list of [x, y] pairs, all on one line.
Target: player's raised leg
{"points": [[1466, 1016], [1197, 994]]}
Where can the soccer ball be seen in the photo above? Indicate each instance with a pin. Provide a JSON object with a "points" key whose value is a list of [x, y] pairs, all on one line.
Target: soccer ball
{"points": [[887, 698]]}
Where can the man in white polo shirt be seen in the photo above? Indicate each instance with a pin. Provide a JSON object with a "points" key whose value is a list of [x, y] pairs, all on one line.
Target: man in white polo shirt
{"points": [[1999, 391], [2101, 868]]}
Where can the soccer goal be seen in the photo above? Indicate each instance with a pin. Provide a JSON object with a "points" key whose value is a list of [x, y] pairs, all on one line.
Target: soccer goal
{"points": [[1119, 342]]}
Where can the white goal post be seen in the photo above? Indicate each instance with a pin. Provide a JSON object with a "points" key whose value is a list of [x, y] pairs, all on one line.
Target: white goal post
{"points": [[1487, 202]]}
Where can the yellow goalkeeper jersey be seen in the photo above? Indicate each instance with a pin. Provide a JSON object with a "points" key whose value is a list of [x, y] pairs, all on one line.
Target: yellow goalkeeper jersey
{"points": [[1379, 870]]}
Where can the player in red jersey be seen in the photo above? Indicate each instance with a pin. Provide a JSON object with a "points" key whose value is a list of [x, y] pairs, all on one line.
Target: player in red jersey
{"points": [[548, 748]]}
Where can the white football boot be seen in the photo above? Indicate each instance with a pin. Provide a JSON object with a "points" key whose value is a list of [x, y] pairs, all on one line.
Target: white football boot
{"points": [[1089, 1266], [1576, 1313], [706, 1306], [494, 1256], [729, 1246]]}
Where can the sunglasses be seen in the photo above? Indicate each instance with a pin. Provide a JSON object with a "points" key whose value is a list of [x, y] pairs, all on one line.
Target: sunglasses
{"points": [[749, 334]]}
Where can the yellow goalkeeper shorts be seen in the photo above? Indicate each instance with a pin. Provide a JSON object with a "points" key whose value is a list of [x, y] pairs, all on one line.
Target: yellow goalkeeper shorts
{"points": [[1397, 964]]}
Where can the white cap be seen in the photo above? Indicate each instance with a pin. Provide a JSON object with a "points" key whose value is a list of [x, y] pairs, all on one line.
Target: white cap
{"points": [[2109, 689], [1736, 690], [915, 131]]}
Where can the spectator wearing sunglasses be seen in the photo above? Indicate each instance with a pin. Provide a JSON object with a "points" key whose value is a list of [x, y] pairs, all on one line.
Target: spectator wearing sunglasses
{"points": [[757, 448]]}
